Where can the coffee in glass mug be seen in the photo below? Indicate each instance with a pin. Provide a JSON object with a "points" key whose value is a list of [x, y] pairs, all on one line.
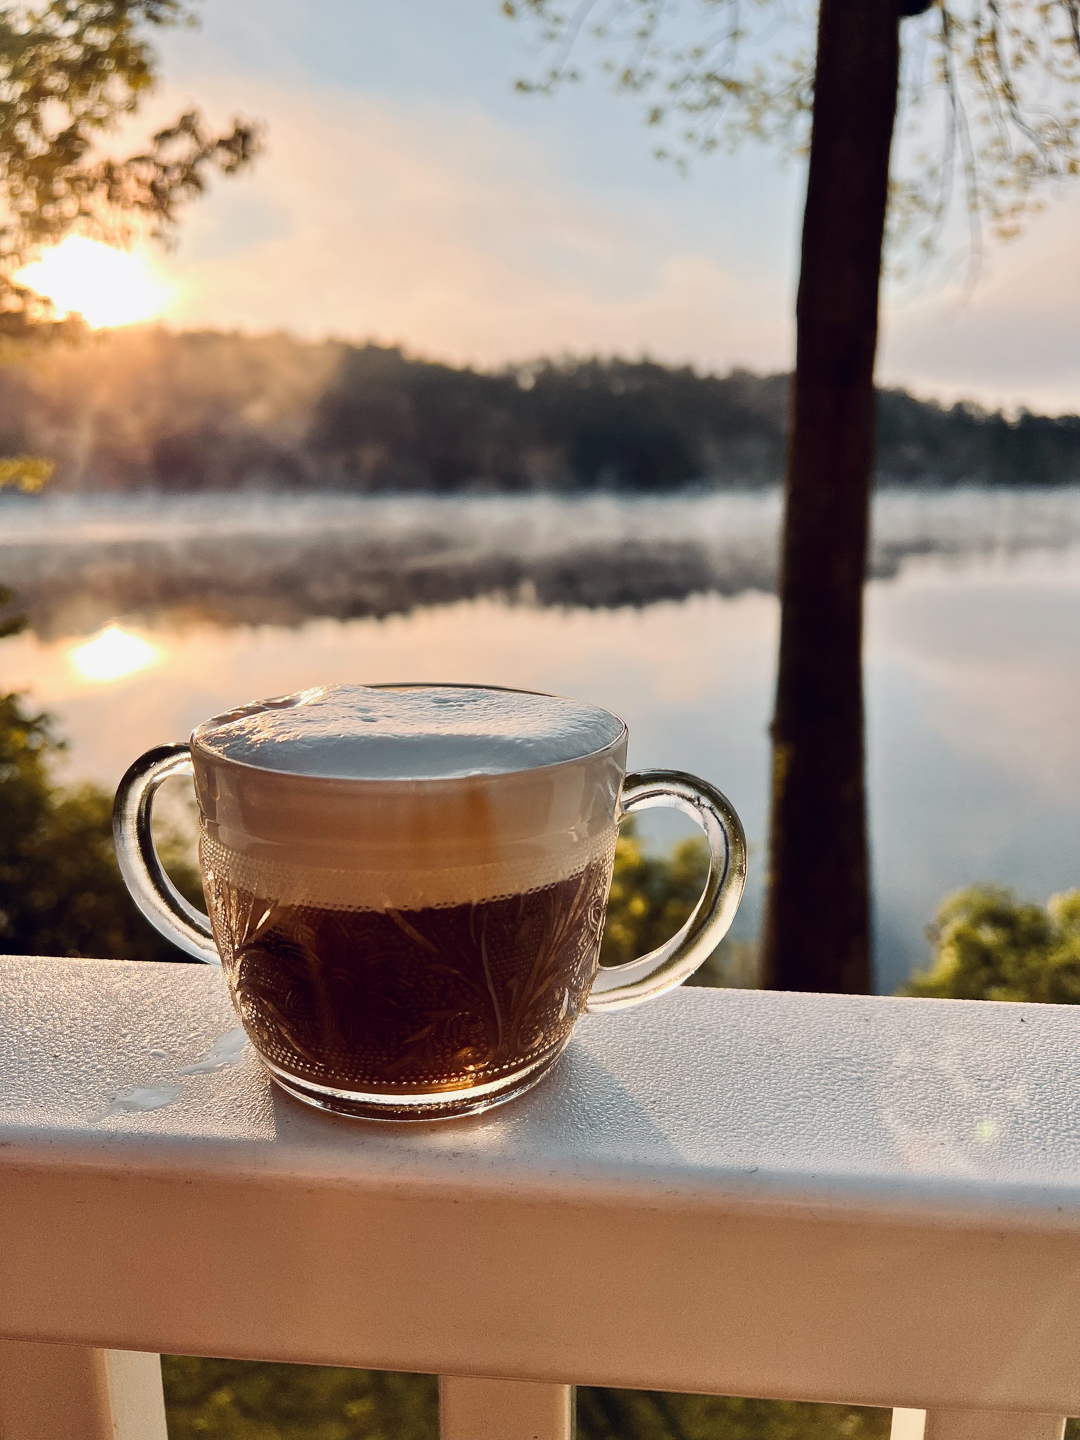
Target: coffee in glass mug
{"points": [[407, 884]]}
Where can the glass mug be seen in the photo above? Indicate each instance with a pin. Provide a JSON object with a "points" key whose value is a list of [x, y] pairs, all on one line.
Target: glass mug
{"points": [[407, 885]]}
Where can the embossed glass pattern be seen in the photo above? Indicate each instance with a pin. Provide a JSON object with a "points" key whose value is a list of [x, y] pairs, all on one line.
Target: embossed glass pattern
{"points": [[421, 1001]]}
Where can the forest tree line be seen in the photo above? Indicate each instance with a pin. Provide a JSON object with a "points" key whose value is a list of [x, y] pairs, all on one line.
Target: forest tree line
{"points": [[147, 409]]}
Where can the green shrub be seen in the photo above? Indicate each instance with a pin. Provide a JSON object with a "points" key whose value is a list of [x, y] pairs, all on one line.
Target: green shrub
{"points": [[61, 892], [248, 1400], [245, 1400], [653, 1415], [988, 945], [653, 895]]}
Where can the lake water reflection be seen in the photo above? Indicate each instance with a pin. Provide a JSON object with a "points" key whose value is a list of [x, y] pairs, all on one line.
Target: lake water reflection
{"points": [[973, 665]]}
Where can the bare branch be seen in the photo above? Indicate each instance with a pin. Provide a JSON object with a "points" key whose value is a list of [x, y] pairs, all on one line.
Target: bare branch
{"points": [[69, 73], [1008, 71]]}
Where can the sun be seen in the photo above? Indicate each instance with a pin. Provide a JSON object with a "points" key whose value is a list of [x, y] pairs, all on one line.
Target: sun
{"points": [[106, 287]]}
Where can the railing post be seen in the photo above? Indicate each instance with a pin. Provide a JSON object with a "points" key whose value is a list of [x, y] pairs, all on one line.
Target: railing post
{"points": [[976, 1425], [504, 1410], [72, 1392]]}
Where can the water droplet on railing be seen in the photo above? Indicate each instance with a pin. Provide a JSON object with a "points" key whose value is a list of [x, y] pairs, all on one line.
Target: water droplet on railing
{"points": [[140, 1097], [226, 1051]]}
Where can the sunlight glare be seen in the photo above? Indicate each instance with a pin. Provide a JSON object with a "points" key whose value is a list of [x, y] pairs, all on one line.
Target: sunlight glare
{"points": [[114, 654], [105, 286]]}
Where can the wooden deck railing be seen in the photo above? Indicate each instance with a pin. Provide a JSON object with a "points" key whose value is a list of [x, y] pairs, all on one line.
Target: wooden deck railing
{"points": [[870, 1201]]}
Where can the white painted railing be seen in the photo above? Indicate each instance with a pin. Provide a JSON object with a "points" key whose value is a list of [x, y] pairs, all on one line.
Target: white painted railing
{"points": [[822, 1198]]}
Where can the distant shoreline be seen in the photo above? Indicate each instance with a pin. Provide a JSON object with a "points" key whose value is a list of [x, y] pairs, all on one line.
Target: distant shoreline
{"points": [[208, 412]]}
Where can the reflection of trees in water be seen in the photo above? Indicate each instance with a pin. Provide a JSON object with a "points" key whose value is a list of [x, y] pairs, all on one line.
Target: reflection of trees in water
{"points": [[280, 560], [344, 576]]}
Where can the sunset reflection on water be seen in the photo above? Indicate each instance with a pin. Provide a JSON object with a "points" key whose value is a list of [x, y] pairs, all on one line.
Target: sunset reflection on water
{"points": [[114, 654]]}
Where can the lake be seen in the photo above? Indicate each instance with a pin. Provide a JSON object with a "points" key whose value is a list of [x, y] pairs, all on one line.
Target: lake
{"points": [[150, 614]]}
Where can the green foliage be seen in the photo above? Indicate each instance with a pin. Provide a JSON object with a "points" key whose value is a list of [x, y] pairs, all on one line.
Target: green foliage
{"points": [[246, 1400], [653, 895], [988, 945], [61, 892], [652, 1415], [210, 411], [70, 71]]}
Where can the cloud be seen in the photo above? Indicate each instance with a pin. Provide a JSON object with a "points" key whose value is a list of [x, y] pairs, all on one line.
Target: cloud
{"points": [[1016, 338], [435, 226], [401, 206]]}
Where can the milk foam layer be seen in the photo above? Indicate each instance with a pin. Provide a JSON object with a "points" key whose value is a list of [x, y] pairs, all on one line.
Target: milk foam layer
{"points": [[491, 813], [287, 880], [430, 732]]}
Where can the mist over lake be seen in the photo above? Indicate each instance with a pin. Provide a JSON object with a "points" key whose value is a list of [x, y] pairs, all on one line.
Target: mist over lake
{"points": [[77, 561], [661, 609]]}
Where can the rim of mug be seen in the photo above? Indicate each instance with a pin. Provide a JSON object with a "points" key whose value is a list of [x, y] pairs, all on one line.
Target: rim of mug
{"points": [[254, 706]]}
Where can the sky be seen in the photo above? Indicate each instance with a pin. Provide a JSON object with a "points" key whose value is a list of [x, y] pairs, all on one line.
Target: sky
{"points": [[410, 195]]}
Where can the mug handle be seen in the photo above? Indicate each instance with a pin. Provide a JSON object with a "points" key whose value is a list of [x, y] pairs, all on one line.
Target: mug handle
{"points": [[151, 889], [618, 986]]}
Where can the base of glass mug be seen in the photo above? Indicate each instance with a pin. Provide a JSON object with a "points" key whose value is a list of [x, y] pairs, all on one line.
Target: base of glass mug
{"points": [[431, 1105]]}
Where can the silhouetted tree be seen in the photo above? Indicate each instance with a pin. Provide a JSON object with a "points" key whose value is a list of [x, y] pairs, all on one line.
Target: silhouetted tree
{"points": [[144, 408], [1002, 67]]}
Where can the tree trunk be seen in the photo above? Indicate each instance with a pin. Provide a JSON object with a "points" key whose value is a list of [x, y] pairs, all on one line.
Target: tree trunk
{"points": [[817, 922]]}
